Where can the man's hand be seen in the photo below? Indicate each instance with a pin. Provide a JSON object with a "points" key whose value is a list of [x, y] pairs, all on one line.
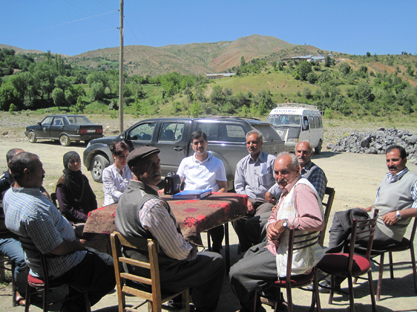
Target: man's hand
{"points": [[272, 233], [250, 207], [269, 198], [390, 218]]}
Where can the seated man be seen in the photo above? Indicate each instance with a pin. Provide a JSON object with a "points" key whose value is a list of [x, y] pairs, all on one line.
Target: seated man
{"points": [[396, 199], [299, 208], [253, 177], [255, 227], [141, 213], [203, 171], [9, 243], [29, 213]]}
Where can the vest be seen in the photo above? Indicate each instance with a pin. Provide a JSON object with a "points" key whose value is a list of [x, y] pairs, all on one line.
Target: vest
{"points": [[395, 196], [303, 259]]}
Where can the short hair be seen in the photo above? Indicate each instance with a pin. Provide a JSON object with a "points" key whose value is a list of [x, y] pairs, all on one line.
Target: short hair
{"points": [[20, 162], [403, 153], [294, 159], [310, 150], [10, 154], [196, 134], [257, 132], [117, 148]]}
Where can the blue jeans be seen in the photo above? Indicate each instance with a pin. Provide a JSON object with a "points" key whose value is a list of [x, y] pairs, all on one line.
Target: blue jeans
{"points": [[10, 247]]}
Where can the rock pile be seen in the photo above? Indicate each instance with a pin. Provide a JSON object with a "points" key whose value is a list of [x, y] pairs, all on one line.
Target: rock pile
{"points": [[377, 142]]}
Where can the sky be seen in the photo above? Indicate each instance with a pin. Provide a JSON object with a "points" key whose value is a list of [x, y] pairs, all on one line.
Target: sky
{"points": [[72, 27]]}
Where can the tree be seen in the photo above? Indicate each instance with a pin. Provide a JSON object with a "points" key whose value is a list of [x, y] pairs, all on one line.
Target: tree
{"points": [[304, 69], [97, 91], [195, 109], [327, 61], [242, 61], [8, 96], [58, 96], [368, 54]]}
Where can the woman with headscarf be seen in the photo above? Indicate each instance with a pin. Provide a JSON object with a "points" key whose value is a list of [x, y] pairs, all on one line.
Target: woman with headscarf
{"points": [[73, 191], [116, 177]]}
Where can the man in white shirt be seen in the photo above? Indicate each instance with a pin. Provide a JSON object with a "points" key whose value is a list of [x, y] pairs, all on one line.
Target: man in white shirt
{"points": [[203, 171]]}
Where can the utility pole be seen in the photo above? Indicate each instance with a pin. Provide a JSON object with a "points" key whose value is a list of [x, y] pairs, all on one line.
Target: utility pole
{"points": [[121, 70], [188, 103]]}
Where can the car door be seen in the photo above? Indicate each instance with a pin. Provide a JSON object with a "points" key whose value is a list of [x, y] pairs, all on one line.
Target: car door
{"points": [[56, 128], [172, 144], [45, 128]]}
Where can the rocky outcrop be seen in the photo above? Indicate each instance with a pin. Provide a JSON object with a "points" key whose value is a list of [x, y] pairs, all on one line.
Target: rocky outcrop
{"points": [[377, 142]]}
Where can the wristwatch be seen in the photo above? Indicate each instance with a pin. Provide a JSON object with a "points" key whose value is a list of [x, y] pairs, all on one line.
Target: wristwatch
{"points": [[398, 215], [285, 223]]}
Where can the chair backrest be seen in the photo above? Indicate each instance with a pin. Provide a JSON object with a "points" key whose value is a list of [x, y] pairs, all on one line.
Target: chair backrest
{"points": [[362, 230], [30, 248], [413, 231], [298, 242], [54, 199], [151, 247], [330, 193]]}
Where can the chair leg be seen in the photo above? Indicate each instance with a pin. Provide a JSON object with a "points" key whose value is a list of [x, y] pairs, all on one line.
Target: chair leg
{"points": [[255, 300], [289, 299], [14, 291], [28, 297], [332, 282], [87, 301], [380, 274], [208, 241], [315, 299], [413, 263], [351, 295], [391, 266], [371, 288]]}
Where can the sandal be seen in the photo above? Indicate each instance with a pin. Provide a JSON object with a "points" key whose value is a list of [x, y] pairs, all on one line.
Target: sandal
{"points": [[20, 301]]}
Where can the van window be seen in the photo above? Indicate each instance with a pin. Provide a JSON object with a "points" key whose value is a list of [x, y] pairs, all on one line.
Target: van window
{"points": [[210, 129], [320, 122], [142, 132], [317, 121], [284, 120], [312, 122]]}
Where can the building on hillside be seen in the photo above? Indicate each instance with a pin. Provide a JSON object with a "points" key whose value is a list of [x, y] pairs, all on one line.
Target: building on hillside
{"points": [[219, 75]]}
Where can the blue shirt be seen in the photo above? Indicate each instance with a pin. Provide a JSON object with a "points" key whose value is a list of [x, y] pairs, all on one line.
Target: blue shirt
{"points": [[254, 178], [29, 213]]}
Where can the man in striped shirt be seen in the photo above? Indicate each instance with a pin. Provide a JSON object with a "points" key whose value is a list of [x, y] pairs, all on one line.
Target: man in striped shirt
{"points": [[141, 213]]}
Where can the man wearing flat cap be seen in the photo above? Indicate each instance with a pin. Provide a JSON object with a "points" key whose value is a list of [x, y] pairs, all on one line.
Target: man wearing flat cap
{"points": [[141, 213]]}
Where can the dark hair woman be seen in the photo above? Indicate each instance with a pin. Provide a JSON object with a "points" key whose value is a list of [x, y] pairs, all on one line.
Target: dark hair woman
{"points": [[116, 177], [73, 191]]}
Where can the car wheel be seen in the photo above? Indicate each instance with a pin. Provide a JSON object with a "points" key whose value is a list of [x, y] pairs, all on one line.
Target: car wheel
{"points": [[86, 142], [99, 163], [64, 140], [32, 137], [317, 150]]}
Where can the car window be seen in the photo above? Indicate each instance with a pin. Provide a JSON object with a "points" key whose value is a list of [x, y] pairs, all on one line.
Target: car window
{"points": [[47, 121], [58, 121], [232, 133], [78, 120], [268, 132], [210, 129], [142, 132], [171, 131]]}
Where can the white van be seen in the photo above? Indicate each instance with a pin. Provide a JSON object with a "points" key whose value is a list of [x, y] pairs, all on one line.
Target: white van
{"points": [[298, 122]]}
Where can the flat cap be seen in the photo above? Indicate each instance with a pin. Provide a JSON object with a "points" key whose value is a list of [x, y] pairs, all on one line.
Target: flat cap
{"points": [[140, 153]]}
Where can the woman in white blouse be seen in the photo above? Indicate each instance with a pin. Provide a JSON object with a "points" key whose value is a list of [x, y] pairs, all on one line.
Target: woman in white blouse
{"points": [[116, 177]]}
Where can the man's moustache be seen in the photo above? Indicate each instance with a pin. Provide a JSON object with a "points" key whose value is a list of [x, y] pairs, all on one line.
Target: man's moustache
{"points": [[392, 168], [282, 180]]}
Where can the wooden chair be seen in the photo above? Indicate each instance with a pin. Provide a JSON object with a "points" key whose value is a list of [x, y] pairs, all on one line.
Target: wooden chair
{"points": [[44, 285], [153, 296], [406, 244], [349, 264], [330, 193], [296, 242], [7, 265]]}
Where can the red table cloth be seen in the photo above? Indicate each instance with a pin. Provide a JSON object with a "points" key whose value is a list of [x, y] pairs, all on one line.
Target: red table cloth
{"points": [[193, 216]]}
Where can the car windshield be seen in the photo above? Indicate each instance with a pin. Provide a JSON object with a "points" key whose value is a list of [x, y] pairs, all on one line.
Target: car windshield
{"points": [[78, 120], [284, 120]]}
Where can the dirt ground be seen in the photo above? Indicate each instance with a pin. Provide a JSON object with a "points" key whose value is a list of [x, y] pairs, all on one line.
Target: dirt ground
{"points": [[355, 178]]}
